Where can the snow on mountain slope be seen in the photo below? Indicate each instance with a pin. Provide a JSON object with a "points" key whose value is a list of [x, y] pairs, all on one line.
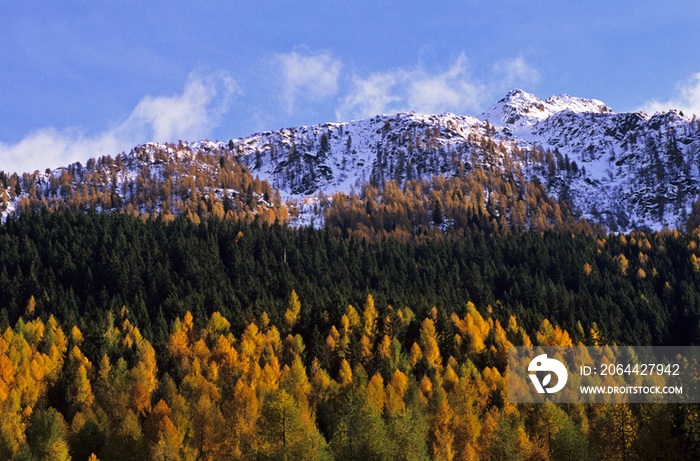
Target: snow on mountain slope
{"points": [[519, 110], [626, 170], [632, 170], [341, 156]]}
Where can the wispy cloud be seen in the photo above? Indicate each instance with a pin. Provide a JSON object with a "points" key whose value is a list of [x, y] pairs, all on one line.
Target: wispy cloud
{"points": [[453, 90], [311, 77], [189, 116], [419, 89], [371, 96], [412, 89], [687, 98], [308, 80], [515, 72]]}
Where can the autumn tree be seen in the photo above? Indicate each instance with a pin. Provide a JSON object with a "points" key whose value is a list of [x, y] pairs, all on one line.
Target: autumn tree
{"points": [[360, 432], [441, 435], [292, 312], [615, 432], [286, 433]]}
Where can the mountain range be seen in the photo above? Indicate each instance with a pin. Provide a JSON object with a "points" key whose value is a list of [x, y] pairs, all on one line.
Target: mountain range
{"points": [[624, 170]]}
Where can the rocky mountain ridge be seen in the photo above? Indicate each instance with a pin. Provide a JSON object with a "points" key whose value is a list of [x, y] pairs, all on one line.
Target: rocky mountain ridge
{"points": [[625, 170]]}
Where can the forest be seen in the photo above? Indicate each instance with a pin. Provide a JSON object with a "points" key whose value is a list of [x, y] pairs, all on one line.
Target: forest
{"points": [[141, 337]]}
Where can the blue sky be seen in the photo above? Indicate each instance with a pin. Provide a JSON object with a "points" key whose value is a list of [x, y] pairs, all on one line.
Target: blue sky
{"points": [[83, 79]]}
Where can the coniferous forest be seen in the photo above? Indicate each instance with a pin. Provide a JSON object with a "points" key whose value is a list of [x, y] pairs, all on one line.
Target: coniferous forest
{"points": [[127, 337]]}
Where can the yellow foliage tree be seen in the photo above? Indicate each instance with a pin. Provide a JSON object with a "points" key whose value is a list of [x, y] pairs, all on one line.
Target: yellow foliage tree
{"points": [[450, 379], [399, 382], [292, 312], [622, 264], [146, 371], [429, 345], [369, 317], [353, 317], [345, 373], [553, 336], [415, 354], [441, 436], [217, 326], [365, 349], [82, 390], [295, 381], [375, 392]]}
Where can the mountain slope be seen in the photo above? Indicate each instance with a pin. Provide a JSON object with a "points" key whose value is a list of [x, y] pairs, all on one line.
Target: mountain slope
{"points": [[625, 170], [640, 170]]}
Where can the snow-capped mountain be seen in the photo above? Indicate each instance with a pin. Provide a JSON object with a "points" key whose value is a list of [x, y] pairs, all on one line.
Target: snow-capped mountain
{"points": [[341, 156], [632, 170], [519, 109], [625, 170]]}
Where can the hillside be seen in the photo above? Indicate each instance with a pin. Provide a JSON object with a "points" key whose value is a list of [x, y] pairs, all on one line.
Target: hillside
{"points": [[141, 340], [177, 306], [627, 171]]}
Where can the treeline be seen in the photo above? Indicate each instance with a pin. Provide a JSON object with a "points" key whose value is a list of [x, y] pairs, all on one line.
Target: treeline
{"points": [[484, 190], [479, 202], [481, 188]]}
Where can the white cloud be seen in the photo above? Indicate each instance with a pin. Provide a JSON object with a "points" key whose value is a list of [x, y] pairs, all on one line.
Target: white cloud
{"points": [[187, 116], [687, 98], [515, 73], [421, 90], [190, 116], [453, 90], [370, 96], [308, 77]]}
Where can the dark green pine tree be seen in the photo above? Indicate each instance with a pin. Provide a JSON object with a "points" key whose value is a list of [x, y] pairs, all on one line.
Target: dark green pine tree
{"points": [[438, 217]]}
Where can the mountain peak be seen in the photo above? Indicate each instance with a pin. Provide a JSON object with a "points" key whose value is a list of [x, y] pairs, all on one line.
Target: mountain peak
{"points": [[566, 102], [521, 108]]}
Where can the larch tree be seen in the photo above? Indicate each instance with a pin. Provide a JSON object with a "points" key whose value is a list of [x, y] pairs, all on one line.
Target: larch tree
{"points": [[292, 312]]}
